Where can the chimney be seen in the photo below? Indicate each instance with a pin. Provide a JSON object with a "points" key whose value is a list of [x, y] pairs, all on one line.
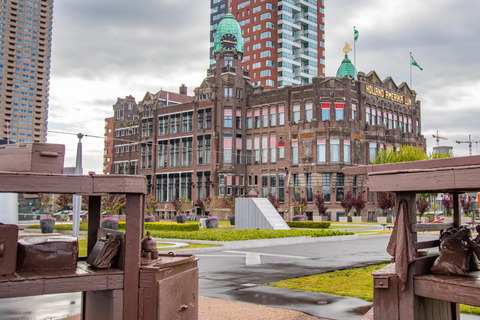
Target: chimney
{"points": [[183, 89]]}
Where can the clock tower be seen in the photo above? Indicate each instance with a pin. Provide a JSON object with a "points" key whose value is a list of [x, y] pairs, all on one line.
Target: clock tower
{"points": [[232, 87]]}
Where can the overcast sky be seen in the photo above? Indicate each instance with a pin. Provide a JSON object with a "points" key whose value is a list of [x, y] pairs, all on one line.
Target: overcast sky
{"points": [[105, 49]]}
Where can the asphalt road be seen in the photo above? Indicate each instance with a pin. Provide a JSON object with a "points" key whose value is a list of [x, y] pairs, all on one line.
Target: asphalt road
{"points": [[237, 275]]}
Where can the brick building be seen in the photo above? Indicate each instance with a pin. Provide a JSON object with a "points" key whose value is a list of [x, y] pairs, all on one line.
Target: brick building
{"points": [[108, 146], [284, 40], [25, 49], [235, 138]]}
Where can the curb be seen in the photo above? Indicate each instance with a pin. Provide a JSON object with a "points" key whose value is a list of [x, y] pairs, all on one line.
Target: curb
{"points": [[262, 242]]}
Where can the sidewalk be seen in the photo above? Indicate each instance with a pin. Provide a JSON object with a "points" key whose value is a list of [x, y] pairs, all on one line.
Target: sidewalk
{"points": [[219, 309]]}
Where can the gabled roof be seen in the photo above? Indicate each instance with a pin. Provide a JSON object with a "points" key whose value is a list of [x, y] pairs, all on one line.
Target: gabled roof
{"points": [[172, 96]]}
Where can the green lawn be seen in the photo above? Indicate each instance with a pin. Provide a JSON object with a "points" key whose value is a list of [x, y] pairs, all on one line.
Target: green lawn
{"points": [[357, 283], [224, 233]]}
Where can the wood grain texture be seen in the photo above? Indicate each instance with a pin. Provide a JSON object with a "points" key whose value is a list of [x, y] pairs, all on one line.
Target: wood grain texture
{"points": [[458, 289], [133, 236], [430, 227], [425, 164]]}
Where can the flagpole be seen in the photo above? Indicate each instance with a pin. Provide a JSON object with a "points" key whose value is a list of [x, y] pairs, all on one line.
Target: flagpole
{"points": [[354, 49], [410, 61]]}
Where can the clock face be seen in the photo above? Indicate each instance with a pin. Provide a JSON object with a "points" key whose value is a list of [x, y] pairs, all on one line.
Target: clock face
{"points": [[228, 41]]}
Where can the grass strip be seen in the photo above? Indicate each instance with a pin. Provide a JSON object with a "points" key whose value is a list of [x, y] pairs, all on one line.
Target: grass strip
{"points": [[357, 283]]}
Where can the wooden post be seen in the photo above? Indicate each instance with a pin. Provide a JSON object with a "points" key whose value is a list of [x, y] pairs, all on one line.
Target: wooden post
{"points": [[133, 238], [94, 217], [456, 210]]}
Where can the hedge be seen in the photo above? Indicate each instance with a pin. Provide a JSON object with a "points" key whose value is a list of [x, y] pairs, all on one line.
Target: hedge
{"points": [[309, 224], [161, 226], [224, 234]]}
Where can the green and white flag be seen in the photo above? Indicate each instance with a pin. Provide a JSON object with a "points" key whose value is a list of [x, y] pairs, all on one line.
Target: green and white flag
{"points": [[414, 63], [355, 34]]}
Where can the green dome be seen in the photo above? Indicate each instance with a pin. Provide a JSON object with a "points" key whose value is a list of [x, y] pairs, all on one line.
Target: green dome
{"points": [[229, 25], [347, 69]]}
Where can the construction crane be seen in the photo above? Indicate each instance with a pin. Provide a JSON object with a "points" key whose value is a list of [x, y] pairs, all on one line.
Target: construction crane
{"points": [[469, 143], [438, 138]]}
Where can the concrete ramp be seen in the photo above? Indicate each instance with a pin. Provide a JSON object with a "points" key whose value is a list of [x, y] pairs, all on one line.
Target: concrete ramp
{"points": [[253, 213]]}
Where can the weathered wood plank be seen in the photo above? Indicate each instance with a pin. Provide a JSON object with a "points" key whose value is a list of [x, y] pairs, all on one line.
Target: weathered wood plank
{"points": [[425, 164], [465, 290], [45, 183], [426, 244], [119, 184], [133, 236], [423, 264], [94, 215], [430, 226], [412, 181]]}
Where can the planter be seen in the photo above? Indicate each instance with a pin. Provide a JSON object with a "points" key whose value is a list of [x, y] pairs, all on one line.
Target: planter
{"points": [[384, 219], [180, 219], [321, 218], [110, 225], [424, 220], [359, 219], [345, 219], [298, 219], [149, 219], [211, 223], [232, 221], [47, 226], [448, 220]]}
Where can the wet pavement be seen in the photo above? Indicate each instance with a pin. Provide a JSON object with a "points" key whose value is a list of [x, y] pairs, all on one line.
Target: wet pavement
{"points": [[239, 275]]}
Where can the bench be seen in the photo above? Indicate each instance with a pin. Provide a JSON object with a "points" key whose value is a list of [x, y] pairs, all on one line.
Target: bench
{"points": [[426, 296]]}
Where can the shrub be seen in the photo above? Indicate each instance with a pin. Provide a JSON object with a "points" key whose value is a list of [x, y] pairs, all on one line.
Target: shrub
{"points": [[309, 224], [166, 226], [221, 234]]}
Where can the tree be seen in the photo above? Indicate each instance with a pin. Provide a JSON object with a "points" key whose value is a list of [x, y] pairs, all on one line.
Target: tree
{"points": [[64, 201], [230, 202], [178, 204], [386, 201], [319, 201], [150, 204], [201, 204], [112, 203], [85, 201], [275, 201], [406, 153], [211, 203], [447, 203], [466, 203], [347, 203], [44, 203], [422, 205], [300, 205], [359, 204]]}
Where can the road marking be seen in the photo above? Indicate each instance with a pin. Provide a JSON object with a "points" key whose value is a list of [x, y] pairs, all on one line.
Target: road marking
{"points": [[220, 255], [252, 258], [269, 254]]}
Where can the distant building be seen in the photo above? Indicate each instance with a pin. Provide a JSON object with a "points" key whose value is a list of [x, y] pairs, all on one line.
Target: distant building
{"points": [[108, 146], [234, 138], [443, 149], [25, 50], [284, 40]]}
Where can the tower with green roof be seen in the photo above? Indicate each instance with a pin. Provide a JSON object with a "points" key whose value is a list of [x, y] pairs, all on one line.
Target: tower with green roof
{"points": [[229, 34], [346, 67]]}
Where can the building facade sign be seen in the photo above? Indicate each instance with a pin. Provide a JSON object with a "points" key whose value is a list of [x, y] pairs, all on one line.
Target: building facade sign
{"points": [[387, 95]]}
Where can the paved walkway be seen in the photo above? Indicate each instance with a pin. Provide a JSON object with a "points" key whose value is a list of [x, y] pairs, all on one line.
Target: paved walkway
{"points": [[218, 309]]}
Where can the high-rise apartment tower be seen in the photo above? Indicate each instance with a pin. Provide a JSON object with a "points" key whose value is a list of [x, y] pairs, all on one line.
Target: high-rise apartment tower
{"points": [[25, 50], [284, 39]]}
